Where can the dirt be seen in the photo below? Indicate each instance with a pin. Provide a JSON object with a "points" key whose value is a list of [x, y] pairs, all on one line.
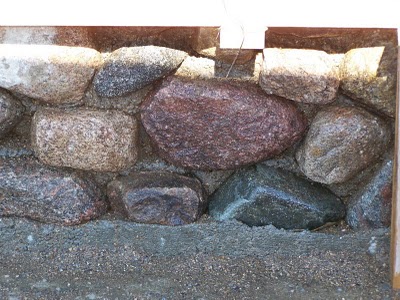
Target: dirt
{"points": [[111, 259]]}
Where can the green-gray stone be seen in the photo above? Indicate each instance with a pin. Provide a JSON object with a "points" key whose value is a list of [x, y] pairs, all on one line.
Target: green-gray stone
{"points": [[261, 195]]}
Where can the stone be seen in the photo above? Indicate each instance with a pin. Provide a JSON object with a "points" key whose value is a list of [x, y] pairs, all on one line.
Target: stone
{"points": [[157, 198], [129, 69], [85, 139], [371, 207], [128, 104], [206, 42], [212, 180], [369, 76], [330, 40], [47, 35], [52, 74], [261, 195], [217, 125], [31, 190], [10, 112], [342, 141], [17, 143], [307, 76]]}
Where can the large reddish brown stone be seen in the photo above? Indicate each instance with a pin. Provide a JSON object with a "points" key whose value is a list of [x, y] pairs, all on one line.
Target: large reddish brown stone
{"points": [[158, 198], [217, 124], [32, 190]]}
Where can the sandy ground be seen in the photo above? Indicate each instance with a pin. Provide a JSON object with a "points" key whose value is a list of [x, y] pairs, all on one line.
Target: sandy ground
{"points": [[111, 259]]}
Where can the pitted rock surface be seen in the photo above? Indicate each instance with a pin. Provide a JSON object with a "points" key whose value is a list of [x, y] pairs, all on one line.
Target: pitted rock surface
{"points": [[10, 112], [47, 35], [85, 139], [52, 74], [341, 142], [32, 190], [369, 76], [262, 195], [129, 69], [307, 76], [214, 125], [158, 198], [371, 207]]}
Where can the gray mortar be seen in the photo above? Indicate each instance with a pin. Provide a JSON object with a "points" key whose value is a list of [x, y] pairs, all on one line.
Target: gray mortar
{"points": [[109, 259]]}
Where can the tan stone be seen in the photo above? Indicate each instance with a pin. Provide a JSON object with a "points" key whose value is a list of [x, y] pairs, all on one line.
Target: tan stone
{"points": [[85, 139], [52, 74]]}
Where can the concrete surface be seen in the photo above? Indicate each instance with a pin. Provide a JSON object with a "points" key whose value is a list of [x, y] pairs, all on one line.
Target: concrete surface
{"points": [[111, 259]]}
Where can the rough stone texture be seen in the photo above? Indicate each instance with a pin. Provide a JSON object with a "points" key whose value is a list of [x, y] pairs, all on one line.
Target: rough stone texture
{"points": [[206, 42], [29, 189], [307, 76], [85, 139], [158, 198], [111, 38], [17, 143], [53, 74], [47, 35], [330, 40], [341, 142], [369, 76], [213, 125], [129, 69], [371, 206], [212, 180], [262, 195], [128, 104], [10, 112]]}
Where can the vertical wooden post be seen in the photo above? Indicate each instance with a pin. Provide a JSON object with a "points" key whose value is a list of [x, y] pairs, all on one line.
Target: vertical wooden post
{"points": [[395, 236]]}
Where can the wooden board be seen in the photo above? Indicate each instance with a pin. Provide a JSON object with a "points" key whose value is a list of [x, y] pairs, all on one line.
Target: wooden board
{"points": [[395, 236]]}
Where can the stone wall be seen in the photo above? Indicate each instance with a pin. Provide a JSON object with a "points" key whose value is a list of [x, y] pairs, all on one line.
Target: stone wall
{"points": [[160, 125]]}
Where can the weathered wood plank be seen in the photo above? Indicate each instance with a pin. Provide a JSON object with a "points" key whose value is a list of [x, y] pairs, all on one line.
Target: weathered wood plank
{"points": [[395, 238]]}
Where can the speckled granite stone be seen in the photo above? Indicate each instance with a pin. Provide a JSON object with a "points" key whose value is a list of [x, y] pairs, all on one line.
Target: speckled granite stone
{"points": [[262, 195], [307, 76], [214, 125], [158, 198], [52, 74], [341, 142], [85, 139], [32, 190]]}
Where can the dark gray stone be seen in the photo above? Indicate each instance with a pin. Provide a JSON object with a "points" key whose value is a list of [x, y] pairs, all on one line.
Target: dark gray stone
{"points": [[219, 125], [29, 189], [341, 142], [18, 142], [129, 69], [371, 206], [262, 195], [158, 198], [10, 112]]}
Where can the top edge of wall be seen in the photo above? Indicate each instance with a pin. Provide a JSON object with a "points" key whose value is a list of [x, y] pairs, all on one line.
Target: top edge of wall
{"points": [[205, 13]]}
